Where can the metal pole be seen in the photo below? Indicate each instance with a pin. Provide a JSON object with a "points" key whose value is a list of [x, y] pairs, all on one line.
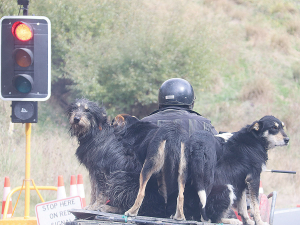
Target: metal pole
{"points": [[25, 10], [274, 196], [27, 171]]}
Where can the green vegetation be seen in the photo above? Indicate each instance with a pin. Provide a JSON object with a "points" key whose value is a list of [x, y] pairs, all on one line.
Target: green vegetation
{"points": [[241, 56]]}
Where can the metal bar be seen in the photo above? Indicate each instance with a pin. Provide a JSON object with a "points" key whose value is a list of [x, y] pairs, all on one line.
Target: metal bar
{"points": [[23, 188], [280, 171], [39, 194], [274, 196], [18, 198]]}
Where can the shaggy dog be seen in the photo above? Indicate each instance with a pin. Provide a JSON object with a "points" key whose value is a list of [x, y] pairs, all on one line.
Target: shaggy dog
{"points": [[164, 155], [240, 164], [104, 156]]}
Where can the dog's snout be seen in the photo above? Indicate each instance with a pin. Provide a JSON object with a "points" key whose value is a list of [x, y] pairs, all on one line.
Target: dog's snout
{"points": [[286, 140], [76, 119]]}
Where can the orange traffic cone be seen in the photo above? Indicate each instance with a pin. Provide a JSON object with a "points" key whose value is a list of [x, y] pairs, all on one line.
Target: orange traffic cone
{"points": [[61, 191], [73, 186], [80, 189], [5, 194], [264, 206]]}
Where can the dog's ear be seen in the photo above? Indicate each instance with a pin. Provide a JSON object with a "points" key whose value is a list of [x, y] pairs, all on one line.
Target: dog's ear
{"points": [[119, 121], [254, 126]]}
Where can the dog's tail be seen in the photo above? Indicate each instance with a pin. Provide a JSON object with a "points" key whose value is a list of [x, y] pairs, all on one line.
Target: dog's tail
{"points": [[203, 159], [198, 174]]}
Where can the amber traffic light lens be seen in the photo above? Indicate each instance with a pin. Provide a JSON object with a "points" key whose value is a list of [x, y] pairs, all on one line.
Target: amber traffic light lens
{"points": [[22, 31], [23, 57]]}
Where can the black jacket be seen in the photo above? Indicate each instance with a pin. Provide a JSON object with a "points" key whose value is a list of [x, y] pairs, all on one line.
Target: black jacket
{"points": [[189, 119]]}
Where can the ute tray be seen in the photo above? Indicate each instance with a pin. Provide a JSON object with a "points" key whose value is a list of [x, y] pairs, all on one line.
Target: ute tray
{"points": [[87, 217]]}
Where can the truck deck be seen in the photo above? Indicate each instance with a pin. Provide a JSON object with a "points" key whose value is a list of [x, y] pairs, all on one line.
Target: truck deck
{"points": [[86, 217]]}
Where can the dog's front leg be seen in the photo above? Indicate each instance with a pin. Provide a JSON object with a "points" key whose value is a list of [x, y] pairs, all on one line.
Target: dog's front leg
{"points": [[94, 192], [253, 186], [242, 209], [94, 188]]}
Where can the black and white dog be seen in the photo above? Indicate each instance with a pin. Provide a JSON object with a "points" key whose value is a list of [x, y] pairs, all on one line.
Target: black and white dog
{"points": [[240, 164]]}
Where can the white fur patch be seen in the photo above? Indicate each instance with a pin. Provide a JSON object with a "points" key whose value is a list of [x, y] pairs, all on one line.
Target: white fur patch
{"points": [[225, 136], [202, 196], [231, 195]]}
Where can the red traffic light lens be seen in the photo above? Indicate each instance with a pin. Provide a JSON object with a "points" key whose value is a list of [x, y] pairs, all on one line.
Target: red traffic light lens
{"points": [[22, 31], [23, 57]]}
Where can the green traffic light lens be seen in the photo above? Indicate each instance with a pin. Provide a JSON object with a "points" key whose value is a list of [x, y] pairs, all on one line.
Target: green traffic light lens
{"points": [[23, 83]]}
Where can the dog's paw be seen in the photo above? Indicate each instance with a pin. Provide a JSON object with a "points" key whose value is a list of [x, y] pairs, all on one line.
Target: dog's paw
{"points": [[89, 207], [231, 221], [109, 209], [129, 213], [249, 222], [261, 223], [177, 217]]}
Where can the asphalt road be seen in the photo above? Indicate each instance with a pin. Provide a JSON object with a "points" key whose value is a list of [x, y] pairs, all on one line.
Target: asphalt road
{"points": [[287, 217]]}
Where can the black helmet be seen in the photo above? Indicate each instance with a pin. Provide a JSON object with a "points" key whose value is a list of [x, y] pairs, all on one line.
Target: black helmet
{"points": [[177, 92]]}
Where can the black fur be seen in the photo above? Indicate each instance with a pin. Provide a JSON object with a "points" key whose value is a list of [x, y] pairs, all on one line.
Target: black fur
{"points": [[144, 139], [137, 135], [202, 163], [240, 164], [104, 155]]}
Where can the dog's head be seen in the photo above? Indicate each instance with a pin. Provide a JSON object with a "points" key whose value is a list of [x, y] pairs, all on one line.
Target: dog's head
{"points": [[122, 121], [85, 117], [272, 130]]}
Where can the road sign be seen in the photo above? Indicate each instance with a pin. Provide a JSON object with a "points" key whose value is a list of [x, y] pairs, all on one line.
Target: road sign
{"points": [[57, 212]]}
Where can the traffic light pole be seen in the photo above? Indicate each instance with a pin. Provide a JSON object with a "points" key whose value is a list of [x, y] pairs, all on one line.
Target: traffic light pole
{"points": [[27, 171], [25, 4]]}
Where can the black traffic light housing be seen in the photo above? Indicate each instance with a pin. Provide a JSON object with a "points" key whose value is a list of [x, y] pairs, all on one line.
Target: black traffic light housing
{"points": [[25, 58], [24, 112]]}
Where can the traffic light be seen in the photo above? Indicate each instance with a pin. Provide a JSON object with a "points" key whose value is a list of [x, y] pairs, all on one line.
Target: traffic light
{"points": [[25, 67]]}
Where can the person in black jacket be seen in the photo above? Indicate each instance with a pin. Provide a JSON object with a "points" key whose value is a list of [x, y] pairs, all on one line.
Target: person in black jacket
{"points": [[176, 101]]}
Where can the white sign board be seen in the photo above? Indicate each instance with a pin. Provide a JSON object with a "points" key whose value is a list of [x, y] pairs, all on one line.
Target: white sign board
{"points": [[57, 212]]}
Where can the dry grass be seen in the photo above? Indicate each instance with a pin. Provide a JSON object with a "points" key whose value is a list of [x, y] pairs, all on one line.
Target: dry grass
{"points": [[280, 42], [293, 27], [258, 89]]}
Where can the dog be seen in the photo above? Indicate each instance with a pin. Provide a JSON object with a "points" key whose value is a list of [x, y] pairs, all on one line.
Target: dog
{"points": [[240, 164], [201, 196], [105, 156], [164, 155], [133, 137]]}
